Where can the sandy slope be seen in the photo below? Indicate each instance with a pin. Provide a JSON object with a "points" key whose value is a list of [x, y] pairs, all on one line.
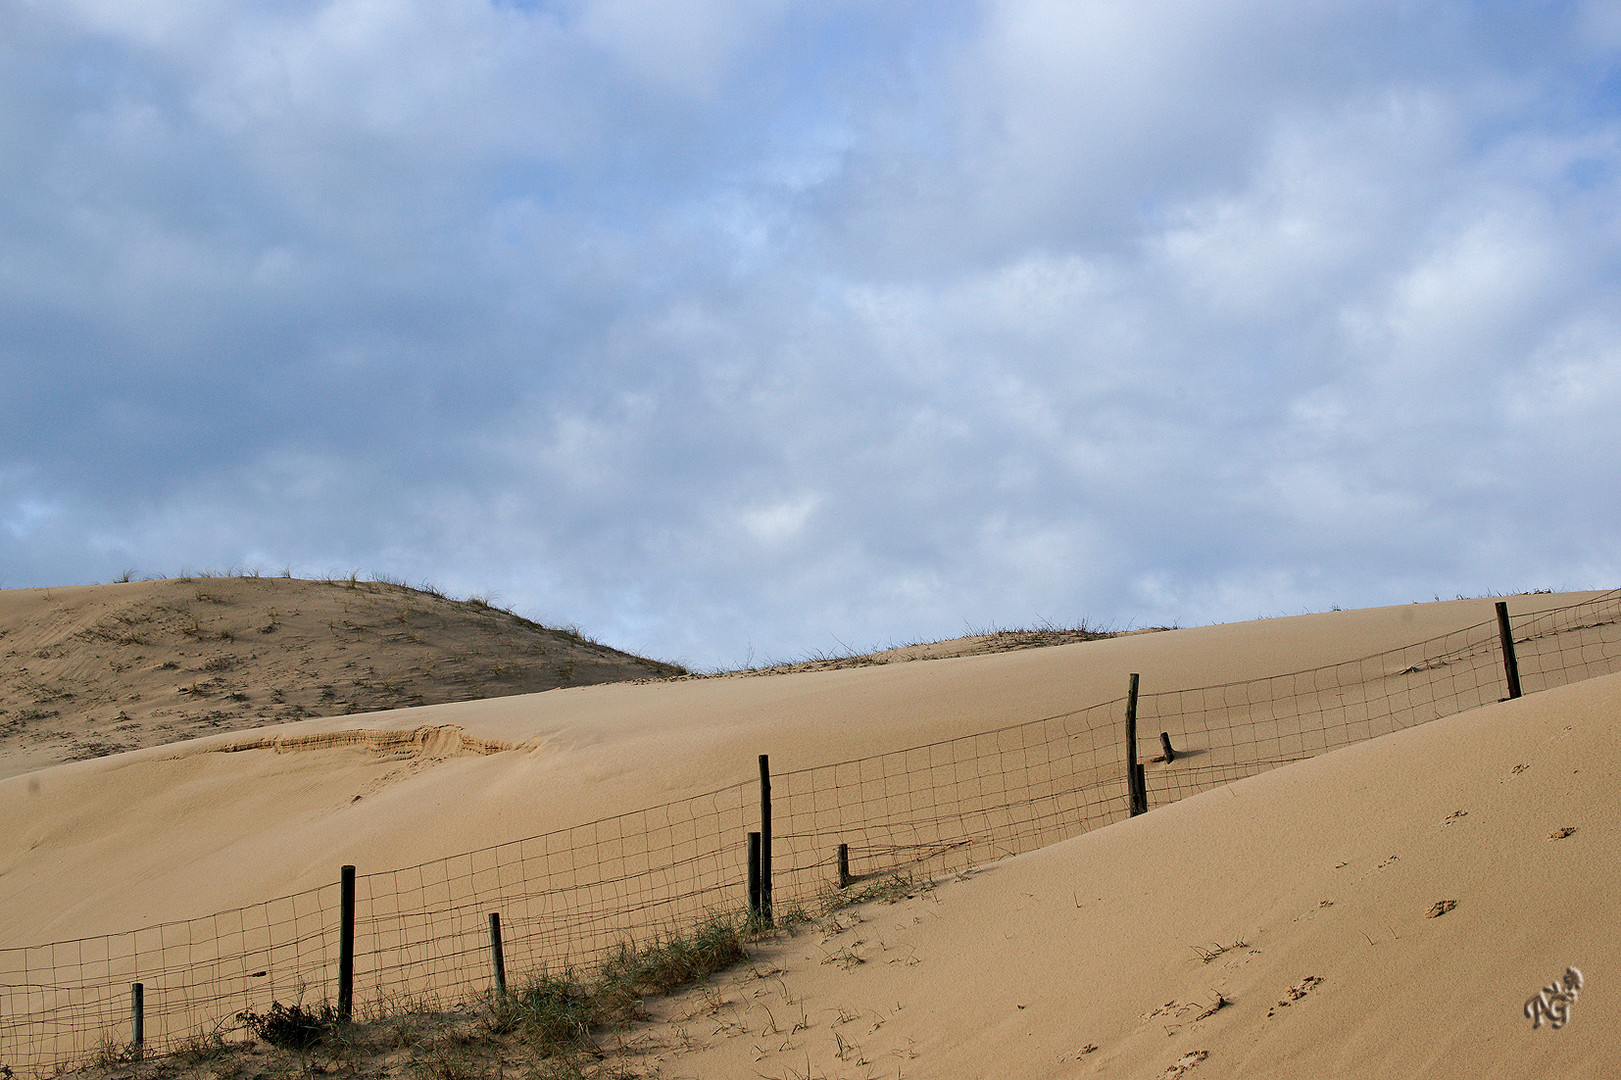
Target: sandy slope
{"points": [[1300, 897], [1091, 937], [93, 670]]}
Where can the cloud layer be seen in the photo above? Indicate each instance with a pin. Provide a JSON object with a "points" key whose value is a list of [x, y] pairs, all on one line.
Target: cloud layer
{"points": [[733, 326]]}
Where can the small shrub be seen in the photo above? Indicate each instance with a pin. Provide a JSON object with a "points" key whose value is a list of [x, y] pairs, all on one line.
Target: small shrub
{"points": [[291, 1027], [111, 1054]]}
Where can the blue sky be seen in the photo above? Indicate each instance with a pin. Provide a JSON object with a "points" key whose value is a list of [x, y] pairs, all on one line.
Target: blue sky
{"points": [[748, 329]]}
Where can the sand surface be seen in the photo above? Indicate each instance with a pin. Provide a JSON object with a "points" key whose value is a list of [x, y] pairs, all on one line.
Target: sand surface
{"points": [[1016, 968], [1299, 898]]}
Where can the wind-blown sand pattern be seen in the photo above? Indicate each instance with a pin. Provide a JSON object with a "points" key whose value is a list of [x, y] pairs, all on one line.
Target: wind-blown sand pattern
{"points": [[1091, 936]]}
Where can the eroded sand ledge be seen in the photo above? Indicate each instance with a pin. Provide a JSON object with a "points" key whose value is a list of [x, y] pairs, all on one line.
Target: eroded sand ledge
{"points": [[436, 741]]}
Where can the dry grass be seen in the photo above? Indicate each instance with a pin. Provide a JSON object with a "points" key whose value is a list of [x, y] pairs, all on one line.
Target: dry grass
{"points": [[551, 1028]]}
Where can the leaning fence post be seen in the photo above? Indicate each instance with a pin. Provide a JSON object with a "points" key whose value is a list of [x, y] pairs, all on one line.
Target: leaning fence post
{"points": [[765, 839], [1133, 773], [495, 954], [844, 866], [1165, 741], [754, 875], [346, 943], [1511, 664], [137, 1016]]}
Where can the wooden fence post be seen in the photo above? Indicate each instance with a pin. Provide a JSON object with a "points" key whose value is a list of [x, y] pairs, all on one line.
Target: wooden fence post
{"points": [[754, 875], [765, 839], [137, 1017], [1511, 664], [1165, 741], [346, 943], [496, 956], [844, 866], [1133, 772]]}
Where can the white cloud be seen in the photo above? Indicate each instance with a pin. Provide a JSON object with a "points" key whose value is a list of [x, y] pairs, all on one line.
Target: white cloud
{"points": [[701, 324], [780, 523], [686, 47]]}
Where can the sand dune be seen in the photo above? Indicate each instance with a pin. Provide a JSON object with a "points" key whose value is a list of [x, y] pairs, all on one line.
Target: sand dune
{"points": [[1097, 937], [94, 670]]}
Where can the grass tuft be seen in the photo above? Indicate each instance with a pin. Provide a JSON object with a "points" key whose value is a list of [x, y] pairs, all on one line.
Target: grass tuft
{"points": [[559, 1014]]}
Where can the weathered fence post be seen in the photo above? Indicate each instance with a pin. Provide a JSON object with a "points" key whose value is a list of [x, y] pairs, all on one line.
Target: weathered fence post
{"points": [[496, 956], [137, 1017], [346, 943], [765, 839], [1142, 791], [1165, 741], [844, 866], [1511, 664], [1133, 771], [754, 876]]}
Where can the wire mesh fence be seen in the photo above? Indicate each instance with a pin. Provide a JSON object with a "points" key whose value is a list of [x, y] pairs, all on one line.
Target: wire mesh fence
{"points": [[948, 805], [573, 896], [69, 1000], [569, 897], [1226, 732]]}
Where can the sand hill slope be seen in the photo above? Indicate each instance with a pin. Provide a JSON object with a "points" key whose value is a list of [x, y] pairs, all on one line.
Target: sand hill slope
{"points": [[1385, 910], [1015, 969], [94, 670]]}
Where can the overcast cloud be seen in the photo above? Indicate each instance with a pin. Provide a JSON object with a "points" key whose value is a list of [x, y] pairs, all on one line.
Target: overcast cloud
{"points": [[751, 327]]}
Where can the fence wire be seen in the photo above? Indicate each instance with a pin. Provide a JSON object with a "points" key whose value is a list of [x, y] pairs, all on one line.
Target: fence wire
{"points": [[947, 805], [1227, 732], [573, 896]]}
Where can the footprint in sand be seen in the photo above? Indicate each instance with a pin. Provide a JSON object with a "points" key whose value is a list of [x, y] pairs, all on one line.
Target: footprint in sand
{"points": [[1296, 992], [1185, 1063]]}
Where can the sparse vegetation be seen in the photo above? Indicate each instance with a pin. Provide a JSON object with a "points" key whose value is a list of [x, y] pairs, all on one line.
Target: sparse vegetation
{"points": [[293, 642], [553, 1024], [1206, 955], [888, 888], [291, 1027]]}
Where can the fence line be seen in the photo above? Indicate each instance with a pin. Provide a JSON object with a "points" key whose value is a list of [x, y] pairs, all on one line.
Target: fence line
{"points": [[572, 896]]}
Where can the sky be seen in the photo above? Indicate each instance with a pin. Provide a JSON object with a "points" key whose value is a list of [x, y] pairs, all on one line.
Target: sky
{"points": [[748, 330]]}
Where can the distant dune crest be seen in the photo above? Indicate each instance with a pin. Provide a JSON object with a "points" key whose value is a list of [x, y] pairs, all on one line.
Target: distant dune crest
{"points": [[95, 670]]}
